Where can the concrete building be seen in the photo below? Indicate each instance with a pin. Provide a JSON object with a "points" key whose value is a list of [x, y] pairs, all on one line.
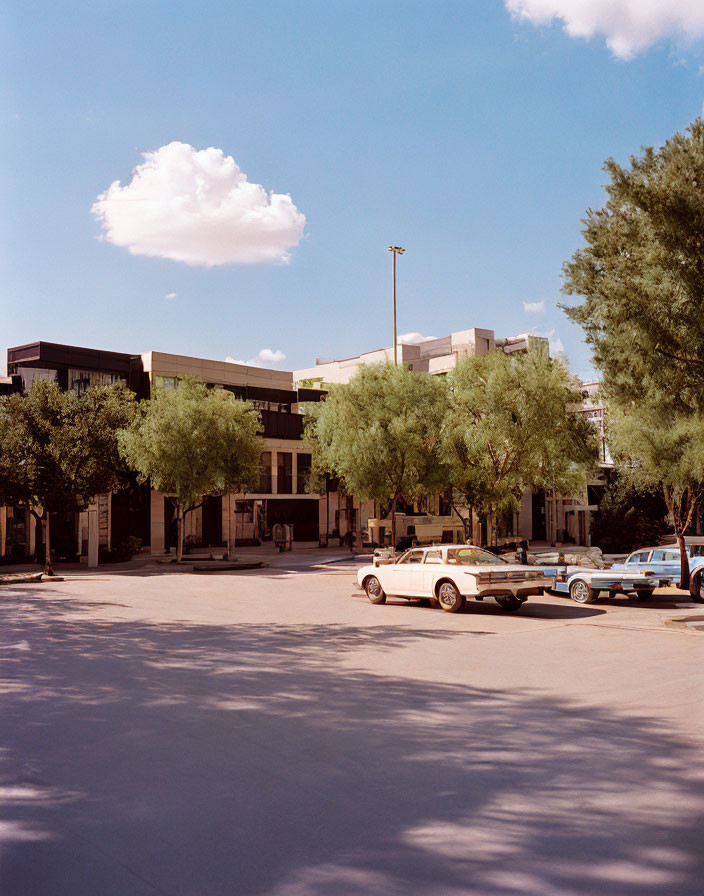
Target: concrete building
{"points": [[142, 512], [435, 356]]}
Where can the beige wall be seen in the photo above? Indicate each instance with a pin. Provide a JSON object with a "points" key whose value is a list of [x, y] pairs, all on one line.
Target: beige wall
{"points": [[223, 372]]}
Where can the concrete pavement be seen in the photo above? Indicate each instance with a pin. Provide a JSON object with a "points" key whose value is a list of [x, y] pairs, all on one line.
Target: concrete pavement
{"points": [[267, 732]]}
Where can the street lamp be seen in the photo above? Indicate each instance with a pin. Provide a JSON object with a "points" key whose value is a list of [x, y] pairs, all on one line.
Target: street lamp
{"points": [[395, 250]]}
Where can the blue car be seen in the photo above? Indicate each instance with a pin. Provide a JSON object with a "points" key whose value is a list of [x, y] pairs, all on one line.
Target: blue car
{"points": [[664, 563]]}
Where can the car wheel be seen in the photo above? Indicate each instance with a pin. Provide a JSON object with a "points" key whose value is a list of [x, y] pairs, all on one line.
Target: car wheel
{"points": [[581, 592], [374, 591], [696, 587], [510, 604], [450, 598]]}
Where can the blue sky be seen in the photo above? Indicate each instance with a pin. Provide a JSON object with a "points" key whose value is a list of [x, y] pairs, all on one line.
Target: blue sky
{"points": [[472, 137]]}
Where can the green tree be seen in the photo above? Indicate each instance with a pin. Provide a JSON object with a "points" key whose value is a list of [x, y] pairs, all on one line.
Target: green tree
{"points": [[381, 434], [59, 449], [666, 452], [191, 442], [511, 427], [641, 275], [641, 278]]}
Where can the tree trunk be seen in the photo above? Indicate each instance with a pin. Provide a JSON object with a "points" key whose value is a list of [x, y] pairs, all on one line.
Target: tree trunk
{"points": [[231, 538], [466, 523], [179, 532], [684, 562], [48, 567], [393, 525]]}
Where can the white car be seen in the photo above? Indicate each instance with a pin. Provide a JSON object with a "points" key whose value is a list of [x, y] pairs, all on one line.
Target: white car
{"points": [[448, 574]]}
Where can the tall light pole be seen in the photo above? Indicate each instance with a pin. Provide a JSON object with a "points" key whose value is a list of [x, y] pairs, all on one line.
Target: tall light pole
{"points": [[395, 250]]}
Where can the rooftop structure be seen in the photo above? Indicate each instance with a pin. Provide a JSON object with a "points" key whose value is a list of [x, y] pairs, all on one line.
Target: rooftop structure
{"points": [[435, 356]]}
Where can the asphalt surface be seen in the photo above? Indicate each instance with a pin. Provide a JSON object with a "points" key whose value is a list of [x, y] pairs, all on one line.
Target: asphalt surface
{"points": [[271, 732]]}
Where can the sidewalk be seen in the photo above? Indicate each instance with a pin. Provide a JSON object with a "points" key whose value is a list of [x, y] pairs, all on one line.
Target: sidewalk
{"points": [[305, 554]]}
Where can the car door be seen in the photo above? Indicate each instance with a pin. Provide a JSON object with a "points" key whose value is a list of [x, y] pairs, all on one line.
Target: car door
{"points": [[664, 563], [404, 577]]}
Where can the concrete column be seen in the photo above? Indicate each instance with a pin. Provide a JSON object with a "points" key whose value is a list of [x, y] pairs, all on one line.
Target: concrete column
{"points": [[93, 535], [274, 472], [157, 522], [294, 472], [31, 529]]}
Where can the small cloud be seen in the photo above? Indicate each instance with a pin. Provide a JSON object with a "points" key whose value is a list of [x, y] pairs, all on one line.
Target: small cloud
{"points": [[629, 26], [170, 295], [414, 338], [534, 307], [198, 207], [265, 358]]}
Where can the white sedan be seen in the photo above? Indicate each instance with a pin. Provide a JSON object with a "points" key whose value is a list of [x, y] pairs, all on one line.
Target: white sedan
{"points": [[448, 574]]}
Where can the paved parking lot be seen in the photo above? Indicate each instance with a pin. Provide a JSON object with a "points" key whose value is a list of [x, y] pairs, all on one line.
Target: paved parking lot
{"points": [[272, 732]]}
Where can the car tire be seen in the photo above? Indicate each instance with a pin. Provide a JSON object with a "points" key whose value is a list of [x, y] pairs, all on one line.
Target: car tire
{"points": [[696, 587], [374, 591], [449, 597], [509, 604], [581, 592]]}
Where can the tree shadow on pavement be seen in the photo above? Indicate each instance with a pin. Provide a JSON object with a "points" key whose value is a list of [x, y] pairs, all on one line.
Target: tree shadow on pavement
{"points": [[206, 760]]}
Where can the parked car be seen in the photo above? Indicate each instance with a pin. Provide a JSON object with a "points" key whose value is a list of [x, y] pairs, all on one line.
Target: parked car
{"points": [[449, 574], [664, 563], [585, 585]]}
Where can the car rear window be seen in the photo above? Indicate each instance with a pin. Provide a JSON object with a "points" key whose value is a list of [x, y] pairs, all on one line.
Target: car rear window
{"points": [[472, 557]]}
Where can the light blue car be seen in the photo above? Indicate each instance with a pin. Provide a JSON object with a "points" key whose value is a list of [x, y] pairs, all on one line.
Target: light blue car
{"points": [[664, 563]]}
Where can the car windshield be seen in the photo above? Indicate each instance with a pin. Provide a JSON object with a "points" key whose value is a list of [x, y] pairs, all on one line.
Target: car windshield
{"points": [[472, 557]]}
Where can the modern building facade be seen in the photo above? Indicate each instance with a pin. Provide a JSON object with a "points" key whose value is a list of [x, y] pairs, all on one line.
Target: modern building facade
{"points": [[282, 495]]}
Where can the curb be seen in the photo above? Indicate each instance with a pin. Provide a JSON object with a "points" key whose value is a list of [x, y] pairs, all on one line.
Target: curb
{"points": [[18, 578]]}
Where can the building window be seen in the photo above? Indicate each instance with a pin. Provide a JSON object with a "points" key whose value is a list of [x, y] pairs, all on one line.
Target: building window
{"points": [[165, 382], [82, 380], [284, 460], [30, 375], [265, 473], [245, 511], [303, 473]]}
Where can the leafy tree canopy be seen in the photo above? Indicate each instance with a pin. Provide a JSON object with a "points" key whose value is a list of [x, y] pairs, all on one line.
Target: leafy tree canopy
{"points": [[193, 441], [59, 449], [510, 428], [657, 449], [381, 434], [641, 275]]}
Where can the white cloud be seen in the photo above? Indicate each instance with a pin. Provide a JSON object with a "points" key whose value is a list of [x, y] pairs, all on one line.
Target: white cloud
{"points": [[198, 207], [265, 358], [629, 26], [170, 295], [534, 307], [414, 338]]}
